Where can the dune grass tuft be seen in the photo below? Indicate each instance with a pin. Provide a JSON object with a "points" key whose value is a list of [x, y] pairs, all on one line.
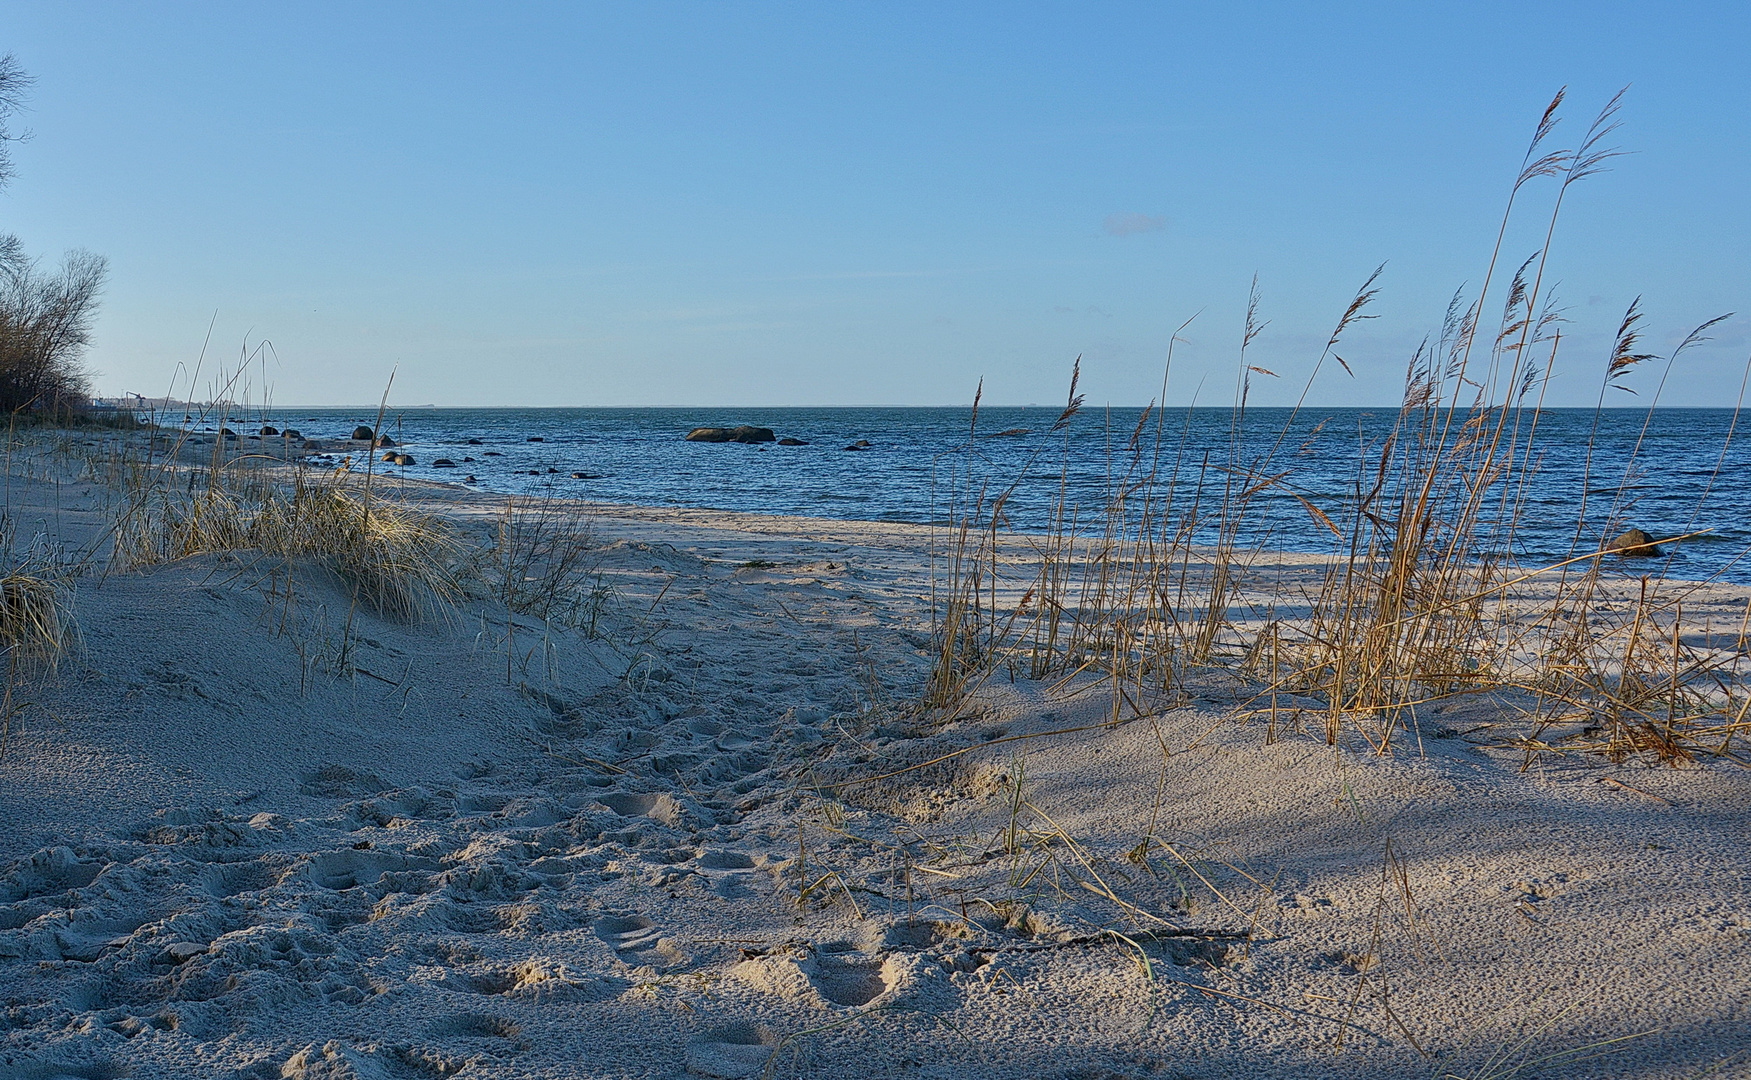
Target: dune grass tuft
{"points": [[36, 623], [401, 562]]}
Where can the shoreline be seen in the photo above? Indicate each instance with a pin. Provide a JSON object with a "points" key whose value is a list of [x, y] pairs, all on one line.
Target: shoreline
{"points": [[640, 458]]}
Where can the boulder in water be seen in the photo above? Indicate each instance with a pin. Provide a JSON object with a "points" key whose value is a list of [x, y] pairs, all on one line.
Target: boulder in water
{"points": [[269, 429], [1635, 544], [363, 433], [793, 442], [745, 433]]}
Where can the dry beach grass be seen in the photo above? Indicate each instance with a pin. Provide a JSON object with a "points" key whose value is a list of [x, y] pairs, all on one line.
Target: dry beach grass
{"points": [[1423, 599]]}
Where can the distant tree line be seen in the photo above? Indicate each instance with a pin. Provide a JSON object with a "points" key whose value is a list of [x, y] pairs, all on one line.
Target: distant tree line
{"points": [[45, 316]]}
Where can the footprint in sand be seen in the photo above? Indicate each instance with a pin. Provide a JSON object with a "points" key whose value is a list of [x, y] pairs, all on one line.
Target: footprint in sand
{"points": [[350, 868], [477, 1026], [729, 872], [87, 939], [920, 934], [731, 1052], [332, 781], [660, 808], [539, 979], [835, 974], [47, 872], [221, 880], [627, 934], [848, 978], [335, 1060], [637, 940]]}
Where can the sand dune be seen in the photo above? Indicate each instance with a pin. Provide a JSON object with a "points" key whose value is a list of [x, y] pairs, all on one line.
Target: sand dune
{"points": [[683, 846]]}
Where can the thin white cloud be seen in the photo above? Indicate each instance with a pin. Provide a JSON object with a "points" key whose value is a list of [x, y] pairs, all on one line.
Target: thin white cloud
{"points": [[1130, 222]]}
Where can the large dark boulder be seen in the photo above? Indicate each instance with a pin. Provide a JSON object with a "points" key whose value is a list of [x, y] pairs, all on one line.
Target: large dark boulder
{"points": [[384, 440], [793, 442], [363, 433], [743, 434], [269, 429], [1635, 544]]}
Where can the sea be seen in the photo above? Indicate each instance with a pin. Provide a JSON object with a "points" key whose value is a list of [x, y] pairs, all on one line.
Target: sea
{"points": [[1669, 472]]}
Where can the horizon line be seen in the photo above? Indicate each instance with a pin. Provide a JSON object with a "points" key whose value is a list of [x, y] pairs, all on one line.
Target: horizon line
{"points": [[961, 405]]}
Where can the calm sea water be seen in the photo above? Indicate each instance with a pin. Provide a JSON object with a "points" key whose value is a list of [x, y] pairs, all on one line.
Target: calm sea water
{"points": [[1680, 482]]}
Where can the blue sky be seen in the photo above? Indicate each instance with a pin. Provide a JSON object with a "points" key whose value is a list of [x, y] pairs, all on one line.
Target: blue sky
{"points": [[844, 204]]}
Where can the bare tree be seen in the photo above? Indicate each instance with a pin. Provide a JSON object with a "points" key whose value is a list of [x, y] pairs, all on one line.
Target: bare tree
{"points": [[14, 88], [45, 318], [45, 327]]}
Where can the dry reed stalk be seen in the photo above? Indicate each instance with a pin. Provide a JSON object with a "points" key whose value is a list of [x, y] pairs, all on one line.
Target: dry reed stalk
{"points": [[548, 561], [1421, 599]]}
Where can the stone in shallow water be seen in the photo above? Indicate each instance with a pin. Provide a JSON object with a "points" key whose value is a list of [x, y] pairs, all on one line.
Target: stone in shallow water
{"points": [[1635, 544], [745, 433]]}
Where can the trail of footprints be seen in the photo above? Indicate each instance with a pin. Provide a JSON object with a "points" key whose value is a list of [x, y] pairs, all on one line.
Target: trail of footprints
{"points": [[507, 889], [205, 919]]}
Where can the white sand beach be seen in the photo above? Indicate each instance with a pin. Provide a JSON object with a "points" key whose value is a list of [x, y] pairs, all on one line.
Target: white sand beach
{"points": [[710, 839]]}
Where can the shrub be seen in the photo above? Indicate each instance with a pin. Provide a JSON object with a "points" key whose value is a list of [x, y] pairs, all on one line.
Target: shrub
{"points": [[45, 327]]}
